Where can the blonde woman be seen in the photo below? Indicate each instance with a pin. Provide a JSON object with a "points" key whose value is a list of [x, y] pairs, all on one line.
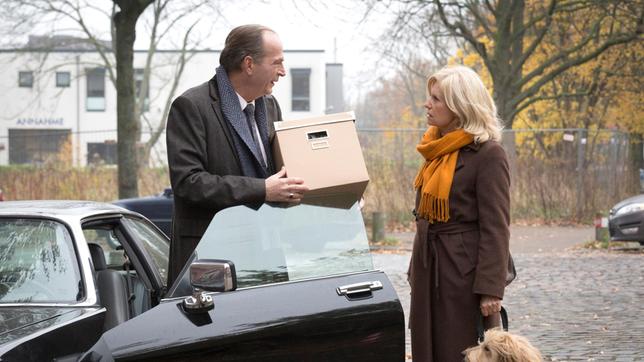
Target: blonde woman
{"points": [[461, 249]]}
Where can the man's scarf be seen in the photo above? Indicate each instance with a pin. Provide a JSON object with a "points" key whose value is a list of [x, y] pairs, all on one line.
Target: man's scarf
{"points": [[250, 157], [434, 179]]}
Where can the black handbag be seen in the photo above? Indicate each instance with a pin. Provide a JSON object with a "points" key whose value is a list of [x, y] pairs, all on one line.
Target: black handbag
{"points": [[480, 325]]}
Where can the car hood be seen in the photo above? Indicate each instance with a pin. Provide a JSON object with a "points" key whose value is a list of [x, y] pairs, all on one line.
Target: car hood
{"points": [[17, 322], [630, 200]]}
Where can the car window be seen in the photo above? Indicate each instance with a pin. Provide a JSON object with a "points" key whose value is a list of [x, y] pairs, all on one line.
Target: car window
{"points": [[109, 242], [276, 244], [37, 263], [155, 244]]}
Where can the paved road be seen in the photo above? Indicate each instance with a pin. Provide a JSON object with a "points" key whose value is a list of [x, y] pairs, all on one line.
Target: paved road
{"points": [[573, 304]]}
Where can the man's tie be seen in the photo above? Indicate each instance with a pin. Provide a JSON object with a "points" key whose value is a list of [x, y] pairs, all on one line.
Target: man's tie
{"points": [[249, 111]]}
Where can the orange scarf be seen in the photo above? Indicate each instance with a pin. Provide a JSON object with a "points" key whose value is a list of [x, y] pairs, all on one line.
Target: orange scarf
{"points": [[434, 179]]}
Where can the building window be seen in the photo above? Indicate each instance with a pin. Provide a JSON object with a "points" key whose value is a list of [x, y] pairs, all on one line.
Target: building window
{"points": [[138, 82], [63, 79], [25, 79], [95, 89], [301, 98], [39, 146], [101, 153]]}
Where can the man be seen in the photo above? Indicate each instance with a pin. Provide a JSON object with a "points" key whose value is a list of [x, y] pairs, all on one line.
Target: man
{"points": [[218, 138]]}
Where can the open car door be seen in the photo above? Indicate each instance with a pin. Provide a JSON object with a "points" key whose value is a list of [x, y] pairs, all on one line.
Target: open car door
{"points": [[305, 291]]}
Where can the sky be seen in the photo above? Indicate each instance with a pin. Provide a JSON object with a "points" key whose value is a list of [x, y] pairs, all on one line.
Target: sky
{"points": [[340, 28]]}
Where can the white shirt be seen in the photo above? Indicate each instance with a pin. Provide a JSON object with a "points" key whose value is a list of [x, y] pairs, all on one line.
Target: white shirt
{"points": [[243, 104]]}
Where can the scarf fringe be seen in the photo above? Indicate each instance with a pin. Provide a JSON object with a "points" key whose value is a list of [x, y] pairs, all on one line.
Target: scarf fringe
{"points": [[433, 208]]}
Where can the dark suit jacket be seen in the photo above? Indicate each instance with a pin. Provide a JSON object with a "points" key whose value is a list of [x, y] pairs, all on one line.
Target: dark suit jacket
{"points": [[205, 171]]}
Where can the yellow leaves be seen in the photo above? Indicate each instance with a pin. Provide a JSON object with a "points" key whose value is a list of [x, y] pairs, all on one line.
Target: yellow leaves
{"points": [[474, 61], [600, 93]]}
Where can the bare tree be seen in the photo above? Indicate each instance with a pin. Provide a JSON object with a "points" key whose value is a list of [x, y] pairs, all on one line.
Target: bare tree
{"points": [[509, 35], [127, 126], [160, 19]]}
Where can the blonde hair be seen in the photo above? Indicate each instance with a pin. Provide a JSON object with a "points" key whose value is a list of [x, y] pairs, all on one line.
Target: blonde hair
{"points": [[501, 346], [466, 96]]}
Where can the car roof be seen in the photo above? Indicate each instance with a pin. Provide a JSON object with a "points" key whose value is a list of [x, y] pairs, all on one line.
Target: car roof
{"points": [[59, 208]]}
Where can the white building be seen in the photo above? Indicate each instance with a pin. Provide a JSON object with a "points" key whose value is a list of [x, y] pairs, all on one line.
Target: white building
{"points": [[62, 101]]}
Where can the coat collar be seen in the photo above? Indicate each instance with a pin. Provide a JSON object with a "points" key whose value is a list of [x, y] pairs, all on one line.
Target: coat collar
{"points": [[473, 147], [214, 95], [212, 88]]}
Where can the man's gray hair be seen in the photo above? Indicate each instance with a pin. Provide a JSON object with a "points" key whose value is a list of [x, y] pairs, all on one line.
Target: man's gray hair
{"points": [[243, 41]]}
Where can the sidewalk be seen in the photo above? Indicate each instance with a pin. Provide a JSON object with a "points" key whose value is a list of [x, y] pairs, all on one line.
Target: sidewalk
{"points": [[572, 304], [523, 238]]}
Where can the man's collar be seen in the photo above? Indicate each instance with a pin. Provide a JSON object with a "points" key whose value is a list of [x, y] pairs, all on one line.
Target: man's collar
{"points": [[242, 101]]}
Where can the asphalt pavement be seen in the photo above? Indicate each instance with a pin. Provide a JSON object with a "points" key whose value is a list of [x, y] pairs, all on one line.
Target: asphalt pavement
{"points": [[573, 304]]}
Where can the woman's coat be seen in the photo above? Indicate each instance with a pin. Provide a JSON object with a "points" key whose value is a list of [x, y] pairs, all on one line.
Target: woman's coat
{"points": [[453, 263]]}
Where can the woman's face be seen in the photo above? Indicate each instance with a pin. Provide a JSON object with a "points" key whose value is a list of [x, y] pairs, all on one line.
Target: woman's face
{"points": [[438, 114]]}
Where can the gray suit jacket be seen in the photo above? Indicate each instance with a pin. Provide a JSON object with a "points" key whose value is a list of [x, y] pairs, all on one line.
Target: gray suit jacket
{"points": [[205, 171]]}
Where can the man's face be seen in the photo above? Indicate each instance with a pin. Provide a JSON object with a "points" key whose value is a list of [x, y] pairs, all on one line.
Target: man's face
{"points": [[268, 70]]}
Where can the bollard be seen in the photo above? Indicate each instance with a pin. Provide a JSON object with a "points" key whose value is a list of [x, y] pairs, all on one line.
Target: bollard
{"points": [[601, 227], [378, 226]]}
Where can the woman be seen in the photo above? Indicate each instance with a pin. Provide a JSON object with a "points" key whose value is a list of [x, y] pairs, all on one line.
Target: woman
{"points": [[461, 249]]}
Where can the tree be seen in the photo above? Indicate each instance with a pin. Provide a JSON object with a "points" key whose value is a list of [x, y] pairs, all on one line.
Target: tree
{"points": [[508, 34], [159, 19], [596, 102], [127, 126]]}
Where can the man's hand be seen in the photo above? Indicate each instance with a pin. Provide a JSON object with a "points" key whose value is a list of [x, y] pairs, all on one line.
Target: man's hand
{"points": [[284, 189], [490, 305]]}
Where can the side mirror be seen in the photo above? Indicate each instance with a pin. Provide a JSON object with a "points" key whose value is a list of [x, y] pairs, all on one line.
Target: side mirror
{"points": [[213, 275]]}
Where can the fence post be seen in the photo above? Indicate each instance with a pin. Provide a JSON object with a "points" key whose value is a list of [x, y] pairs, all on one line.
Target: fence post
{"points": [[378, 226], [581, 153], [601, 227], [612, 189]]}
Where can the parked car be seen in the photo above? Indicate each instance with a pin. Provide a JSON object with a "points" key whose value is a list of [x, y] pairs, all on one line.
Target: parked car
{"points": [[626, 220], [157, 209], [86, 281]]}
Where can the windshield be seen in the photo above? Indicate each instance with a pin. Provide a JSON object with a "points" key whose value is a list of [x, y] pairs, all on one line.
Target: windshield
{"points": [[277, 244], [37, 263]]}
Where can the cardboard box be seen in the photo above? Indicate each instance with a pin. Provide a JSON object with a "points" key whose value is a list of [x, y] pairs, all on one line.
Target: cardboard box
{"points": [[325, 152]]}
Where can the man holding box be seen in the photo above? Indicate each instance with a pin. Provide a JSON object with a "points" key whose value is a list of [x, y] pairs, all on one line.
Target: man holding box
{"points": [[218, 139]]}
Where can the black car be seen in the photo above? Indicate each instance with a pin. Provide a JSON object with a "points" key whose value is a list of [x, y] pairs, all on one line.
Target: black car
{"points": [[157, 209], [86, 281], [626, 220]]}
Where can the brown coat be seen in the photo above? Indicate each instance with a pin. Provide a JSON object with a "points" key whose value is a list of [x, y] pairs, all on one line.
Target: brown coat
{"points": [[453, 263]]}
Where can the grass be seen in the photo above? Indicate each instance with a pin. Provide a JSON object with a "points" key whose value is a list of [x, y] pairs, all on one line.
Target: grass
{"points": [[387, 241], [610, 245]]}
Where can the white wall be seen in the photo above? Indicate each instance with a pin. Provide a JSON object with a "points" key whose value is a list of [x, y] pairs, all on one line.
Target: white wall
{"points": [[47, 107]]}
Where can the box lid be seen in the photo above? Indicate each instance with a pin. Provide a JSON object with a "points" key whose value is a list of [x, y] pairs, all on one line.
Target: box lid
{"points": [[318, 120]]}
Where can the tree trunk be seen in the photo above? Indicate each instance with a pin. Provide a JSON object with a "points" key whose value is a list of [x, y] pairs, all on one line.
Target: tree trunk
{"points": [[502, 96], [127, 125]]}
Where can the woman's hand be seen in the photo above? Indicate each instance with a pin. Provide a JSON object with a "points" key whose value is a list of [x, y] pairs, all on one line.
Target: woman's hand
{"points": [[490, 305]]}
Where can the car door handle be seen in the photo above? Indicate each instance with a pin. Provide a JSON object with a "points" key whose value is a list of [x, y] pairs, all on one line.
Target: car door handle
{"points": [[359, 290]]}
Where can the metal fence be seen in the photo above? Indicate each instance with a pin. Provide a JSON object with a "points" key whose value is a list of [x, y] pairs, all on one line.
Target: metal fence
{"points": [[557, 174]]}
